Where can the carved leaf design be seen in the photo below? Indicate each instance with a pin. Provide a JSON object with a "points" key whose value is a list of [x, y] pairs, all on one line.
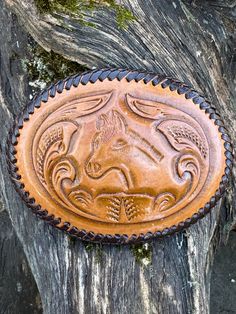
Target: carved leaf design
{"points": [[148, 108], [52, 144], [134, 208], [181, 130], [52, 138], [53, 166], [81, 198], [84, 105], [164, 201], [62, 170], [182, 135]]}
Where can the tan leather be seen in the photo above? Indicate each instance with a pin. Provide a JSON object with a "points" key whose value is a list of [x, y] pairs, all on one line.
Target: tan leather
{"points": [[120, 157]]}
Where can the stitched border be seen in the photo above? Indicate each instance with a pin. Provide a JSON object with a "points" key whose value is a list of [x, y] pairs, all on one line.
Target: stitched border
{"points": [[119, 74]]}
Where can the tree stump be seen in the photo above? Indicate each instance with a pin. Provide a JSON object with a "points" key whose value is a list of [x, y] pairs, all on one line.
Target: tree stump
{"points": [[193, 41]]}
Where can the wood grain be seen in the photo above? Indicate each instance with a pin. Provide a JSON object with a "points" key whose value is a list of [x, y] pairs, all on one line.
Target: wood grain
{"points": [[194, 42], [18, 291]]}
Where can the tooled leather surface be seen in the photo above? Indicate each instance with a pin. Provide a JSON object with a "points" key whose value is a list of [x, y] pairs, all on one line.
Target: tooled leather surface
{"points": [[128, 75]]}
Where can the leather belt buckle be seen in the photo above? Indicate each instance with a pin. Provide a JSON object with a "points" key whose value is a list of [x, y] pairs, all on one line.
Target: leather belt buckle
{"points": [[119, 156]]}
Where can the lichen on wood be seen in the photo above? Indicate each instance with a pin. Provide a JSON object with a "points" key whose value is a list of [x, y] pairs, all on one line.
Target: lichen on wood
{"points": [[142, 253], [79, 8], [45, 67]]}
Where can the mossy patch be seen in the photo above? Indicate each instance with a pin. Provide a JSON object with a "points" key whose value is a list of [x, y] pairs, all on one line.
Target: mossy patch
{"points": [[142, 253], [79, 8], [47, 67], [89, 246], [71, 241], [96, 248]]}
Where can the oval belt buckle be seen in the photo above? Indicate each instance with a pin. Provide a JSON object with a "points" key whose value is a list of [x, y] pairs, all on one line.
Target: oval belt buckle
{"points": [[119, 156]]}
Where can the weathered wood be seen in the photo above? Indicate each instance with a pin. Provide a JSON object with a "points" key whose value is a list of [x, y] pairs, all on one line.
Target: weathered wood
{"points": [[18, 291], [192, 42], [223, 288]]}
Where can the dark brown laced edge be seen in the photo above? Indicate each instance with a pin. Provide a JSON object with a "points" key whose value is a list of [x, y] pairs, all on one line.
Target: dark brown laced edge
{"points": [[119, 74]]}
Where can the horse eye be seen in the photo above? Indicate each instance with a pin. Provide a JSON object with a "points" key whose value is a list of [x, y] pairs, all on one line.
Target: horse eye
{"points": [[119, 144]]}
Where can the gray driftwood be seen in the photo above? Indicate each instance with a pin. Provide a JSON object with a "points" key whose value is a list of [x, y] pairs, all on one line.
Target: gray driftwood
{"points": [[192, 41]]}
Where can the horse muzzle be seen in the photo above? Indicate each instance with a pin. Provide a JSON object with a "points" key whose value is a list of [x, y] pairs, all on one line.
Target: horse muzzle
{"points": [[93, 169]]}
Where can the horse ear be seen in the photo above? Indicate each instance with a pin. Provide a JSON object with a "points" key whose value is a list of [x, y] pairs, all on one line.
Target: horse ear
{"points": [[102, 122], [119, 121], [146, 108]]}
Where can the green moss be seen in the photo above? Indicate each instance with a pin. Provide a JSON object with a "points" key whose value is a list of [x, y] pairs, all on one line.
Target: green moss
{"points": [[142, 253], [96, 248], [71, 241], [123, 16], [78, 9], [98, 253], [88, 246], [48, 6], [46, 67], [43, 6]]}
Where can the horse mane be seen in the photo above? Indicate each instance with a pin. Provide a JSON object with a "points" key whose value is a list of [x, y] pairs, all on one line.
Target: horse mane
{"points": [[113, 123], [145, 144], [106, 134]]}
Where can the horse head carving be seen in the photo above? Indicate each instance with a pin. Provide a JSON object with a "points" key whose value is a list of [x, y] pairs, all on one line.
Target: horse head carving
{"points": [[116, 147], [109, 145]]}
